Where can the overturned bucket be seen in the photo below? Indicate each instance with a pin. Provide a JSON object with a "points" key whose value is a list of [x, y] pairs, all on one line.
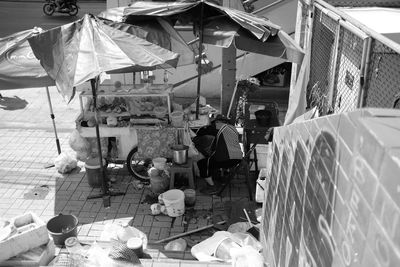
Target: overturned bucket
{"points": [[62, 227]]}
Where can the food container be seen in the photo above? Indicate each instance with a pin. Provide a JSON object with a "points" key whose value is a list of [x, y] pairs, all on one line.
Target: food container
{"points": [[177, 118], [180, 154]]}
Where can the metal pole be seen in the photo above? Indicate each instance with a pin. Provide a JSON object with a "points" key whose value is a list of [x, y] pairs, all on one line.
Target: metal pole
{"points": [[199, 62], [94, 83], [53, 120]]}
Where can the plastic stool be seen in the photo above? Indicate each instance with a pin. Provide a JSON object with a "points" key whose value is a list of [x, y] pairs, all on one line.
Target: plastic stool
{"points": [[184, 168]]}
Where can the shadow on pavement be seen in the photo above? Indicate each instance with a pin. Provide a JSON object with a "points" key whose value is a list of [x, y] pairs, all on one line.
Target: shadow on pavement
{"points": [[12, 103]]}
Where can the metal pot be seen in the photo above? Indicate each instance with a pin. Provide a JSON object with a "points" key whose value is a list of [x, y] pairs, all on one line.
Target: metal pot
{"points": [[180, 154]]}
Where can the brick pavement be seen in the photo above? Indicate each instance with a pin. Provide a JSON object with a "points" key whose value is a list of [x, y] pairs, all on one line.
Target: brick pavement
{"points": [[27, 145]]}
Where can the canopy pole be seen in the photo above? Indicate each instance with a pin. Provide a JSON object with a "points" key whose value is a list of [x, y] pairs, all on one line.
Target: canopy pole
{"points": [[106, 194], [199, 62], [53, 120]]}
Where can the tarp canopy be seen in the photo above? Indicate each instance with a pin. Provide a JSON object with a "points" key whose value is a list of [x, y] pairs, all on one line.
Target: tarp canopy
{"points": [[158, 32], [222, 26], [82, 50], [19, 68]]}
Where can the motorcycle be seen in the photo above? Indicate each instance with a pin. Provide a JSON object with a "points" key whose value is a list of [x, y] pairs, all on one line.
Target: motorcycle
{"points": [[68, 6]]}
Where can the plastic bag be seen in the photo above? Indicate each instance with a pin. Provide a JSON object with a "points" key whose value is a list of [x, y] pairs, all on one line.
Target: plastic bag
{"points": [[94, 151], [187, 140], [65, 163], [246, 256], [246, 239], [80, 145], [112, 231], [77, 142]]}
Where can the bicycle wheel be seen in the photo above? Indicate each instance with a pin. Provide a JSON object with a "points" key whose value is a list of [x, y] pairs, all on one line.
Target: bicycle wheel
{"points": [[138, 167], [48, 9], [73, 10]]}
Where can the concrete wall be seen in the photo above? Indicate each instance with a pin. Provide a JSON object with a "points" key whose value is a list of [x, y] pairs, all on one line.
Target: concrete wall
{"points": [[334, 192]]}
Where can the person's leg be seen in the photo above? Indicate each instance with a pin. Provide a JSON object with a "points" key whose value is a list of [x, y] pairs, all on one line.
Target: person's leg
{"points": [[226, 165], [206, 166]]}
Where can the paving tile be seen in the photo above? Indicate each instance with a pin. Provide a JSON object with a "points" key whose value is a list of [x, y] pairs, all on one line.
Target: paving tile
{"points": [[154, 233], [21, 171], [138, 220], [147, 220]]}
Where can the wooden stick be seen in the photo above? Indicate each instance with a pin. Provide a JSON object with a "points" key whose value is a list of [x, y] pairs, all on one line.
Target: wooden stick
{"points": [[248, 218], [188, 233]]}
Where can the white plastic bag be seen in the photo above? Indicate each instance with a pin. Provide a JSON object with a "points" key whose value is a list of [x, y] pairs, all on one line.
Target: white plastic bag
{"points": [[187, 140], [65, 163], [112, 231], [80, 145], [246, 256]]}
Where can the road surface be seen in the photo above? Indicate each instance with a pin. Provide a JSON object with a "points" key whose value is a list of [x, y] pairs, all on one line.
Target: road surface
{"points": [[21, 15]]}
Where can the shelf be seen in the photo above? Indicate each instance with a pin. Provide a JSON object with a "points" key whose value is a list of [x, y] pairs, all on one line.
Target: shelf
{"points": [[132, 90], [107, 114], [104, 130]]}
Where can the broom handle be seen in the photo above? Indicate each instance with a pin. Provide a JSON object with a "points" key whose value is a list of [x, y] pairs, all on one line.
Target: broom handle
{"points": [[188, 233], [248, 218]]}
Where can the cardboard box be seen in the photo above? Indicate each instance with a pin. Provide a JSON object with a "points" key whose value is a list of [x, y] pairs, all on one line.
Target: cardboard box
{"points": [[39, 256], [32, 237]]}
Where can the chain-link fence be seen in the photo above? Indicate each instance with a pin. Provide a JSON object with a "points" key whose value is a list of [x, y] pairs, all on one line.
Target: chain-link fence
{"points": [[383, 80], [347, 74], [364, 3], [321, 61], [336, 66]]}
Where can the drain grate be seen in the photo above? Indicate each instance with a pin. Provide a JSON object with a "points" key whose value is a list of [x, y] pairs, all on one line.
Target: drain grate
{"points": [[38, 192]]}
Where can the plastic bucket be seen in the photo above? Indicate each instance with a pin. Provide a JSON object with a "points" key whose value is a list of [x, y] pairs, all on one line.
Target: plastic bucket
{"points": [[62, 227], [190, 197], [93, 175], [177, 118], [174, 201]]}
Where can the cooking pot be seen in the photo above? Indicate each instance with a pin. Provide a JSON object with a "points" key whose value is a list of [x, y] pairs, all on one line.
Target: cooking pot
{"points": [[180, 154]]}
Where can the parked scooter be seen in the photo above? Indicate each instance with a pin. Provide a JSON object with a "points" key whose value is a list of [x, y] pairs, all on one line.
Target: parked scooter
{"points": [[69, 6]]}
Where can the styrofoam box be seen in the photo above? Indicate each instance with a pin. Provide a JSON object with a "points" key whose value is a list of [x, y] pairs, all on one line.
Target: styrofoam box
{"points": [[26, 240], [39, 256]]}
